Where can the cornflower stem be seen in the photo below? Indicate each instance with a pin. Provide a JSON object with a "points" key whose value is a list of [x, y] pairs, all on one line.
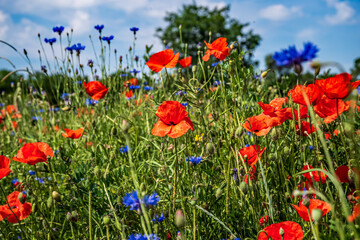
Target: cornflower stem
{"points": [[90, 227], [194, 223]]}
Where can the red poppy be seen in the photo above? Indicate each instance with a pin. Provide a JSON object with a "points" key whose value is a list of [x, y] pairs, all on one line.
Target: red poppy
{"points": [[131, 82], [251, 154], [355, 214], [73, 134], [173, 120], [352, 106], [292, 231], [342, 174], [250, 176], [96, 90], [263, 220], [306, 129], [4, 166], [128, 94], [327, 109], [328, 134], [10, 109], [163, 59], [314, 204], [339, 86], [85, 111], [313, 93], [185, 62], [32, 153], [20, 210], [218, 48], [303, 113], [310, 175], [260, 125]]}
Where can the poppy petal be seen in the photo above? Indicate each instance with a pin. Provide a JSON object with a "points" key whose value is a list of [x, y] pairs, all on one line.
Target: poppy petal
{"points": [[160, 129]]}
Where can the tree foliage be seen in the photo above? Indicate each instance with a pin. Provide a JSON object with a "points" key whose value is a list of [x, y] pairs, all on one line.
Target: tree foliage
{"points": [[197, 22]]}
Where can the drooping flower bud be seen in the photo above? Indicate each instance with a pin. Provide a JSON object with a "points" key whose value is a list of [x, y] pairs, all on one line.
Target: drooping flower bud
{"points": [[56, 196], [316, 214], [179, 219]]}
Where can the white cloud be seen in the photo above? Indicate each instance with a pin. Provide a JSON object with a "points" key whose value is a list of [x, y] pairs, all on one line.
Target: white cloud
{"points": [[80, 23], [344, 12], [4, 28], [279, 12], [307, 34]]}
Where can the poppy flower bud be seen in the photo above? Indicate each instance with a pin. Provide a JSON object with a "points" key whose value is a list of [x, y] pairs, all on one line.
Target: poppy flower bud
{"points": [[125, 126], [243, 187], [348, 129], [281, 232], [21, 198], [286, 150], [66, 108], [171, 147], [97, 172], [297, 68], [56, 196], [68, 216], [296, 193], [239, 132], [210, 148], [218, 193], [316, 214], [179, 219], [275, 134], [210, 34], [106, 220], [74, 215], [306, 202], [193, 68], [115, 51], [49, 202], [34, 207]]}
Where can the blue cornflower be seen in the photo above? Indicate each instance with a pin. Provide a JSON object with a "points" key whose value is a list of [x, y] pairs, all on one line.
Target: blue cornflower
{"points": [[43, 68], [185, 104], [358, 90], [31, 172], [133, 87], [14, 181], [134, 71], [249, 134], [134, 30], [64, 96], [235, 175], [148, 88], [41, 110], [141, 237], [247, 145], [76, 47], [41, 180], [180, 93], [54, 109], [131, 200], [158, 219], [99, 28], [1, 104], [311, 147], [78, 82], [216, 83], [59, 29], [215, 64], [56, 151], [124, 149], [12, 133], [50, 40], [123, 75], [194, 160], [90, 101], [24, 192], [290, 56], [108, 39]]}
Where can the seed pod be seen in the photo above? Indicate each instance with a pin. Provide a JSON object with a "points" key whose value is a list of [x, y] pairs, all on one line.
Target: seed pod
{"points": [[218, 193], [210, 148], [243, 187]]}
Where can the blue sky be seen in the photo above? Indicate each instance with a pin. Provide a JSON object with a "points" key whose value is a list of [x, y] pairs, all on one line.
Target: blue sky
{"points": [[333, 25]]}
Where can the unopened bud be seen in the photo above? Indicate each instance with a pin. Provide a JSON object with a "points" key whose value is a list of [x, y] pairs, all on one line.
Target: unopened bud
{"points": [[179, 219], [264, 74], [297, 68], [218, 193], [106, 220], [349, 129], [275, 134], [239, 132], [193, 201], [193, 68], [316, 214], [56, 196], [21, 198], [49, 202], [74, 215], [281, 232], [243, 187], [97, 172], [210, 148], [125, 126], [68, 216]]}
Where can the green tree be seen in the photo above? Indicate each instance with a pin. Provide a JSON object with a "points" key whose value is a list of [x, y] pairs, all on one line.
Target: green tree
{"points": [[196, 24]]}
